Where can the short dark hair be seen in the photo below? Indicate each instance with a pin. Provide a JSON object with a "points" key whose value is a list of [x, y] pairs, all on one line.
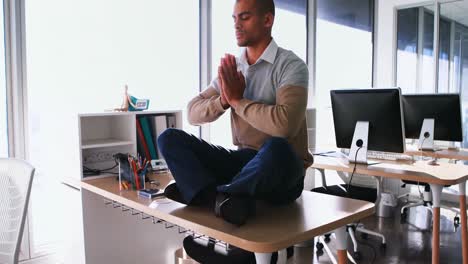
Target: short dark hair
{"points": [[266, 6]]}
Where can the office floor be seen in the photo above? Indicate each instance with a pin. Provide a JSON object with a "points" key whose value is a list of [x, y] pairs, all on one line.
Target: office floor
{"points": [[406, 243]]}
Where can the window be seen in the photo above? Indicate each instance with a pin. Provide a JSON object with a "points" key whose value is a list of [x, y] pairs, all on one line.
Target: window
{"points": [[415, 57], [80, 54], [343, 56], [287, 15], [426, 84], [444, 55], [453, 73], [459, 62], [407, 49], [415, 50], [3, 98], [415, 60]]}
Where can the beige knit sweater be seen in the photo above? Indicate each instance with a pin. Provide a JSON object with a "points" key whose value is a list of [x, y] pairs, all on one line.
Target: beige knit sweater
{"points": [[252, 123]]}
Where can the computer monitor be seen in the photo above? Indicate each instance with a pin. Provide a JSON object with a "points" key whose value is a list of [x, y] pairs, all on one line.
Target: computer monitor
{"points": [[368, 119], [430, 117]]}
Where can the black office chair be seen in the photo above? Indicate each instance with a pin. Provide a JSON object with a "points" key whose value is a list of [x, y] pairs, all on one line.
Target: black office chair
{"points": [[353, 192], [425, 200]]}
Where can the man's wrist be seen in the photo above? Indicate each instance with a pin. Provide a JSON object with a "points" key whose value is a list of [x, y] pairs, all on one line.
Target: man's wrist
{"points": [[220, 105], [225, 106], [235, 103]]}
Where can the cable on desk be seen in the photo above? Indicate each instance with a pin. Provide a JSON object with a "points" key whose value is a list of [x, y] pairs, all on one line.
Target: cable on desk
{"points": [[354, 169], [90, 172], [421, 149]]}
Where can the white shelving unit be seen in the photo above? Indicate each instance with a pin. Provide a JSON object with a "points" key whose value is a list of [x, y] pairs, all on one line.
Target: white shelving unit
{"points": [[101, 135], [100, 143]]}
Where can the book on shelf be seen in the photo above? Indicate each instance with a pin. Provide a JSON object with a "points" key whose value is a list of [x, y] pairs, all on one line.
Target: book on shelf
{"points": [[145, 126], [141, 138], [159, 125]]}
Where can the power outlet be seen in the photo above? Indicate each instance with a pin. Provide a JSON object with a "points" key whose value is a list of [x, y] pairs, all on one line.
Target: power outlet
{"points": [[96, 157], [89, 158], [104, 156]]}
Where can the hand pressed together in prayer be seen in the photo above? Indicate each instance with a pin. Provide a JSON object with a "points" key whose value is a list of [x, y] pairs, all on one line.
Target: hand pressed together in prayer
{"points": [[232, 82]]}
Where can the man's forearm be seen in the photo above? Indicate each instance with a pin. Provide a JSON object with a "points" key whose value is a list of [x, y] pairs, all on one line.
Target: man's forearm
{"points": [[205, 107], [280, 120]]}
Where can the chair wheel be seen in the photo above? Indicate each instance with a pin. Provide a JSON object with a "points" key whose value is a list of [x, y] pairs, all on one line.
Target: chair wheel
{"points": [[357, 255], [364, 236], [319, 246], [456, 221], [327, 238]]}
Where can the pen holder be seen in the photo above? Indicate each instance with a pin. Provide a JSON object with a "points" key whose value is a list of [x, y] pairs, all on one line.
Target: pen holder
{"points": [[131, 174], [139, 178]]}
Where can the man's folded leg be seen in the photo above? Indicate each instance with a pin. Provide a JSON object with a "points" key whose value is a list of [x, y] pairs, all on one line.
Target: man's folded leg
{"points": [[275, 175], [233, 209], [205, 198], [172, 192], [196, 164]]}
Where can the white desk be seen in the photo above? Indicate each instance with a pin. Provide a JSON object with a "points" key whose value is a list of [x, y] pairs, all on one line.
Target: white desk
{"points": [[436, 176], [272, 229]]}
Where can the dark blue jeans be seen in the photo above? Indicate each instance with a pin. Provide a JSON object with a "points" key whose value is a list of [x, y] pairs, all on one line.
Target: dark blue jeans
{"points": [[275, 173]]}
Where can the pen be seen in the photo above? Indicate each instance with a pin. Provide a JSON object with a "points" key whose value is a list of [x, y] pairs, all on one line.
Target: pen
{"points": [[145, 166], [135, 173]]}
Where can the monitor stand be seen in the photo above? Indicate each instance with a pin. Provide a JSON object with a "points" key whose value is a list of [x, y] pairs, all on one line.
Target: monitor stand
{"points": [[426, 137], [453, 146], [358, 150]]}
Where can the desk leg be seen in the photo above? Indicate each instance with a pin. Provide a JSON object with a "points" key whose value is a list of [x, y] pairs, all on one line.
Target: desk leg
{"points": [[464, 233], [341, 243], [263, 258], [324, 179], [436, 193], [282, 257], [379, 196]]}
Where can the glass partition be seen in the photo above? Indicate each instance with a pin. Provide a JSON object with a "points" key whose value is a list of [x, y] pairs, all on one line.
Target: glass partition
{"points": [[453, 73], [344, 43], [415, 50]]}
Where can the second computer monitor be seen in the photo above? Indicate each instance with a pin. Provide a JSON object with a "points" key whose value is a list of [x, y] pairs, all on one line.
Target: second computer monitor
{"points": [[443, 109], [381, 108]]}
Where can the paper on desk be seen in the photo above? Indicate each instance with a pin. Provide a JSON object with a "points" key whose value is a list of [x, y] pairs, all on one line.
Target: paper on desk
{"points": [[154, 204]]}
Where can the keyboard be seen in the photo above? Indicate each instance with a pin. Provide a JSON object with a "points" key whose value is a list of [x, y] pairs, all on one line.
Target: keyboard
{"points": [[383, 155]]}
